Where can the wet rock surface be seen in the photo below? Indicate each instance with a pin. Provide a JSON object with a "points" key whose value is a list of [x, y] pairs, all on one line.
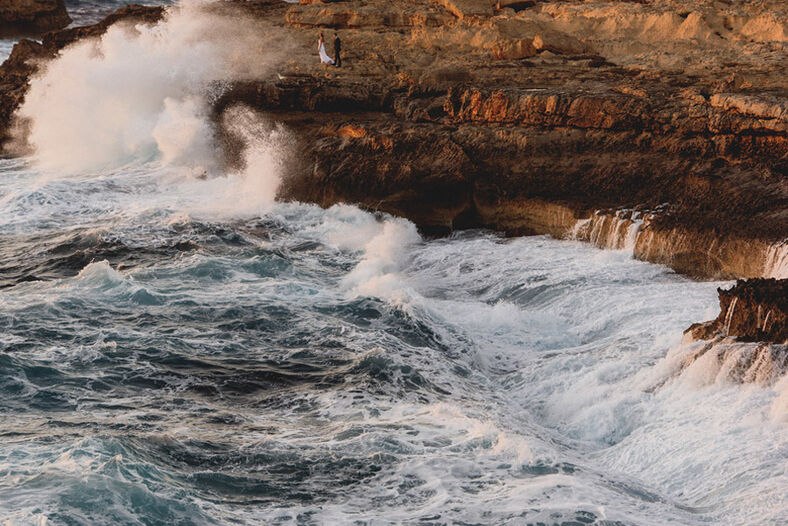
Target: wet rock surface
{"points": [[529, 119], [753, 310], [19, 17], [748, 341]]}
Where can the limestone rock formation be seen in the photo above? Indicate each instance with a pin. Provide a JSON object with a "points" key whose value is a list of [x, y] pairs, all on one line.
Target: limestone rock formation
{"points": [[32, 16], [753, 310], [748, 341], [535, 117], [468, 8]]}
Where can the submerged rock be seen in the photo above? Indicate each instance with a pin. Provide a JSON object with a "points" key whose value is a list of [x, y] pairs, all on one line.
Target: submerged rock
{"points": [[723, 360]]}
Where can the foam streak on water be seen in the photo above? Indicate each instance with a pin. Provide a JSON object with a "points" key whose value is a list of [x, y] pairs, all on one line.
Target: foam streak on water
{"points": [[166, 362], [185, 350]]}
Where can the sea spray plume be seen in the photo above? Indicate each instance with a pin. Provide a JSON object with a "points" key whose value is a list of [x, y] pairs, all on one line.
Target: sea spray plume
{"points": [[142, 92], [377, 274], [249, 184], [184, 135], [264, 156]]}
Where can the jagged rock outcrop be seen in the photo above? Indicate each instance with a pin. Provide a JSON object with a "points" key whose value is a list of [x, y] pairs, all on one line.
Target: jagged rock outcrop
{"points": [[748, 341], [530, 119], [19, 17], [753, 310]]}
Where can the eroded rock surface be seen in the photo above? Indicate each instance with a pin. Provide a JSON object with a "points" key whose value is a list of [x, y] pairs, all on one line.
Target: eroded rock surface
{"points": [[748, 341], [32, 16], [753, 310], [533, 117], [529, 120]]}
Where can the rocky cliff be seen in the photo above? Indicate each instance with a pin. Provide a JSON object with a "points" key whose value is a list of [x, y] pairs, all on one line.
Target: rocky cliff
{"points": [[748, 341], [753, 310], [661, 127], [32, 16], [532, 119]]}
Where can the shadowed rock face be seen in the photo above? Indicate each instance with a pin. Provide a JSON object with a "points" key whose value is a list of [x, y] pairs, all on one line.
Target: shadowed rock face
{"points": [[753, 310], [459, 115], [18, 17], [529, 121], [748, 341]]}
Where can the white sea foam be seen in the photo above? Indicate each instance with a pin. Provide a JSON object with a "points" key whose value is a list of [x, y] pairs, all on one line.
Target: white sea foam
{"points": [[377, 274], [142, 92], [530, 378], [566, 402], [779, 408]]}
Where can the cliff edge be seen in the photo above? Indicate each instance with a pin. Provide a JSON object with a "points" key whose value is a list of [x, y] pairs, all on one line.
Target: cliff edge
{"points": [[658, 127], [19, 17]]}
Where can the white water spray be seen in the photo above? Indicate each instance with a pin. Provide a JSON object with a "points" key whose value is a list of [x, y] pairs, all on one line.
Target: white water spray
{"points": [[377, 274], [142, 92], [776, 265], [606, 230], [251, 189]]}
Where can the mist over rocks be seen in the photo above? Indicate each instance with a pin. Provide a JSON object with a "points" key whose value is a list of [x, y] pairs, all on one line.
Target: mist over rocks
{"points": [[28, 55], [527, 119], [18, 17]]}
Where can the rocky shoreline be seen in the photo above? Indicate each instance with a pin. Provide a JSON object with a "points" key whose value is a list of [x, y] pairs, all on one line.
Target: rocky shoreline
{"points": [[748, 341], [30, 17], [753, 310], [659, 127], [509, 123]]}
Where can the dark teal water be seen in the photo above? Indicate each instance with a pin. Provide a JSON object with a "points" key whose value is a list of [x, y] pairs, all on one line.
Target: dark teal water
{"points": [[176, 348], [166, 363]]}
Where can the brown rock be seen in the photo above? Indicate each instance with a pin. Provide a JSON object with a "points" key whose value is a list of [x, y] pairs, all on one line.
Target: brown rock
{"points": [[20, 17], [352, 131], [753, 310], [469, 8]]}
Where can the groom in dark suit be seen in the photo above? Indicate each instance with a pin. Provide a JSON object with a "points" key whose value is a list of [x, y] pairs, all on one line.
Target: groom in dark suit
{"points": [[337, 51]]}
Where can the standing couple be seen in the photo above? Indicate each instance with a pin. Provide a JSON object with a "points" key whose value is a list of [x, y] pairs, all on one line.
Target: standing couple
{"points": [[321, 50]]}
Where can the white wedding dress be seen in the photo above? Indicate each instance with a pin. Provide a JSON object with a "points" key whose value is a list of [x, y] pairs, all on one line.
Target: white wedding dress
{"points": [[324, 58]]}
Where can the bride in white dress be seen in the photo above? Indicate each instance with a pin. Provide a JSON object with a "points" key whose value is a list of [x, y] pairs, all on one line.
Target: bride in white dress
{"points": [[321, 50]]}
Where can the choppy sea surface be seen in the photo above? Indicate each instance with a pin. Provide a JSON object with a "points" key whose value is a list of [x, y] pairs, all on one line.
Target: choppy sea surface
{"points": [[166, 361], [177, 348]]}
